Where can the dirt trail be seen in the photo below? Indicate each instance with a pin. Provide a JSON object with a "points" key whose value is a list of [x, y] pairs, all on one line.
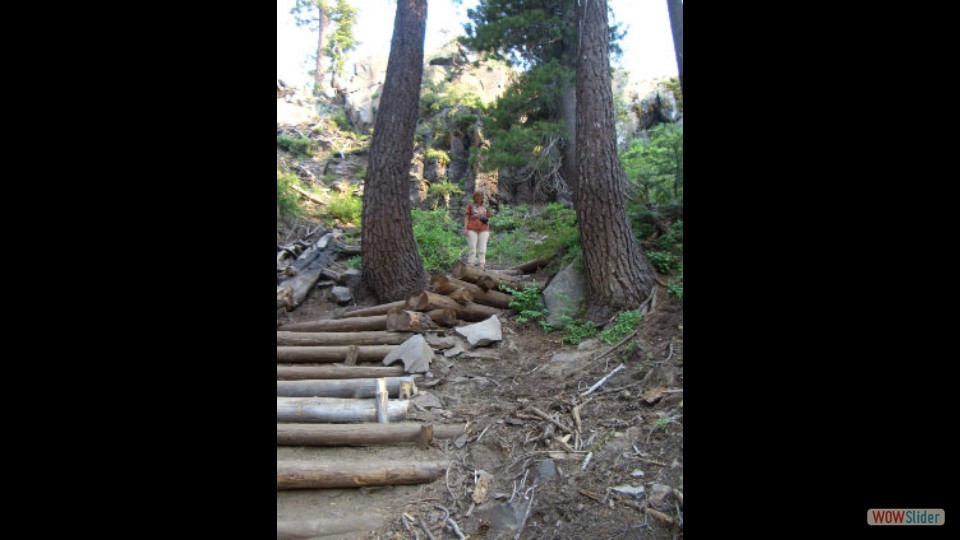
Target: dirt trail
{"points": [[633, 444]]}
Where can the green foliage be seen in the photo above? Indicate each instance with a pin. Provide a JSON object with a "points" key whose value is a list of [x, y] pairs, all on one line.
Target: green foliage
{"points": [[340, 119], [342, 40], [673, 240], [524, 124], [448, 95], [675, 285], [344, 208], [443, 190], [526, 32], [438, 240], [577, 331], [663, 261], [672, 85], [512, 217], [354, 262], [559, 224], [301, 148], [307, 12], [625, 323], [288, 200], [528, 303], [442, 157], [510, 247], [342, 16], [553, 230], [655, 165]]}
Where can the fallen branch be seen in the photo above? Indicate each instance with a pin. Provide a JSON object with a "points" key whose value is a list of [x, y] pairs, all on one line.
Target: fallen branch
{"points": [[599, 383], [311, 197], [550, 419], [669, 356], [450, 521]]}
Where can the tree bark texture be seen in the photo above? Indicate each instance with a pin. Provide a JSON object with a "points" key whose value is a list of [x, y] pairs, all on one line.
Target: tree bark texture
{"points": [[391, 265], [675, 9], [346, 474], [617, 274], [568, 102]]}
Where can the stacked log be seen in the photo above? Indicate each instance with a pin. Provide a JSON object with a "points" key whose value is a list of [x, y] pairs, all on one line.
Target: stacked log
{"points": [[344, 388], [447, 285], [363, 337], [336, 410], [331, 353], [492, 280], [340, 474], [335, 371], [360, 434]]}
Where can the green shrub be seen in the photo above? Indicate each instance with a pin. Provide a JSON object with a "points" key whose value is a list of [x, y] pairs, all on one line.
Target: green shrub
{"points": [[442, 157], [673, 240], [512, 217], [354, 262], [528, 303], [577, 331], [345, 208], [663, 261], [341, 120], [625, 323], [443, 190], [511, 247], [288, 200], [438, 238], [559, 224], [675, 285], [299, 147]]}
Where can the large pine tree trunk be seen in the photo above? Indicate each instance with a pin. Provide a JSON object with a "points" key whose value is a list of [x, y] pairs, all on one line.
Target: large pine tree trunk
{"points": [[675, 8], [391, 265], [568, 100], [618, 276]]}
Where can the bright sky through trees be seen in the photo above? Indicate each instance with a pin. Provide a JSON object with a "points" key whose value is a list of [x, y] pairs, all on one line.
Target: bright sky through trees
{"points": [[648, 45]]}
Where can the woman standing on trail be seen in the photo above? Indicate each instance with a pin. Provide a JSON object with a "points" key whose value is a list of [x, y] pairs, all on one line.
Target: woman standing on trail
{"points": [[477, 229]]}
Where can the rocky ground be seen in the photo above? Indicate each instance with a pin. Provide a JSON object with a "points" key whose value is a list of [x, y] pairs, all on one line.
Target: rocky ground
{"points": [[512, 474]]}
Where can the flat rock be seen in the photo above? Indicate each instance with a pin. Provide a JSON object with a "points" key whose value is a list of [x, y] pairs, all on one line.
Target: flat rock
{"points": [[636, 491], [427, 400], [341, 294], [441, 342], [450, 353], [481, 333], [562, 364], [415, 353], [564, 294]]}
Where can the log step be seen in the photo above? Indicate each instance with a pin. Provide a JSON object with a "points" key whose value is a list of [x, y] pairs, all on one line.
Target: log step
{"points": [[296, 474], [374, 337], [332, 353], [336, 371], [336, 410], [346, 388], [359, 434]]}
